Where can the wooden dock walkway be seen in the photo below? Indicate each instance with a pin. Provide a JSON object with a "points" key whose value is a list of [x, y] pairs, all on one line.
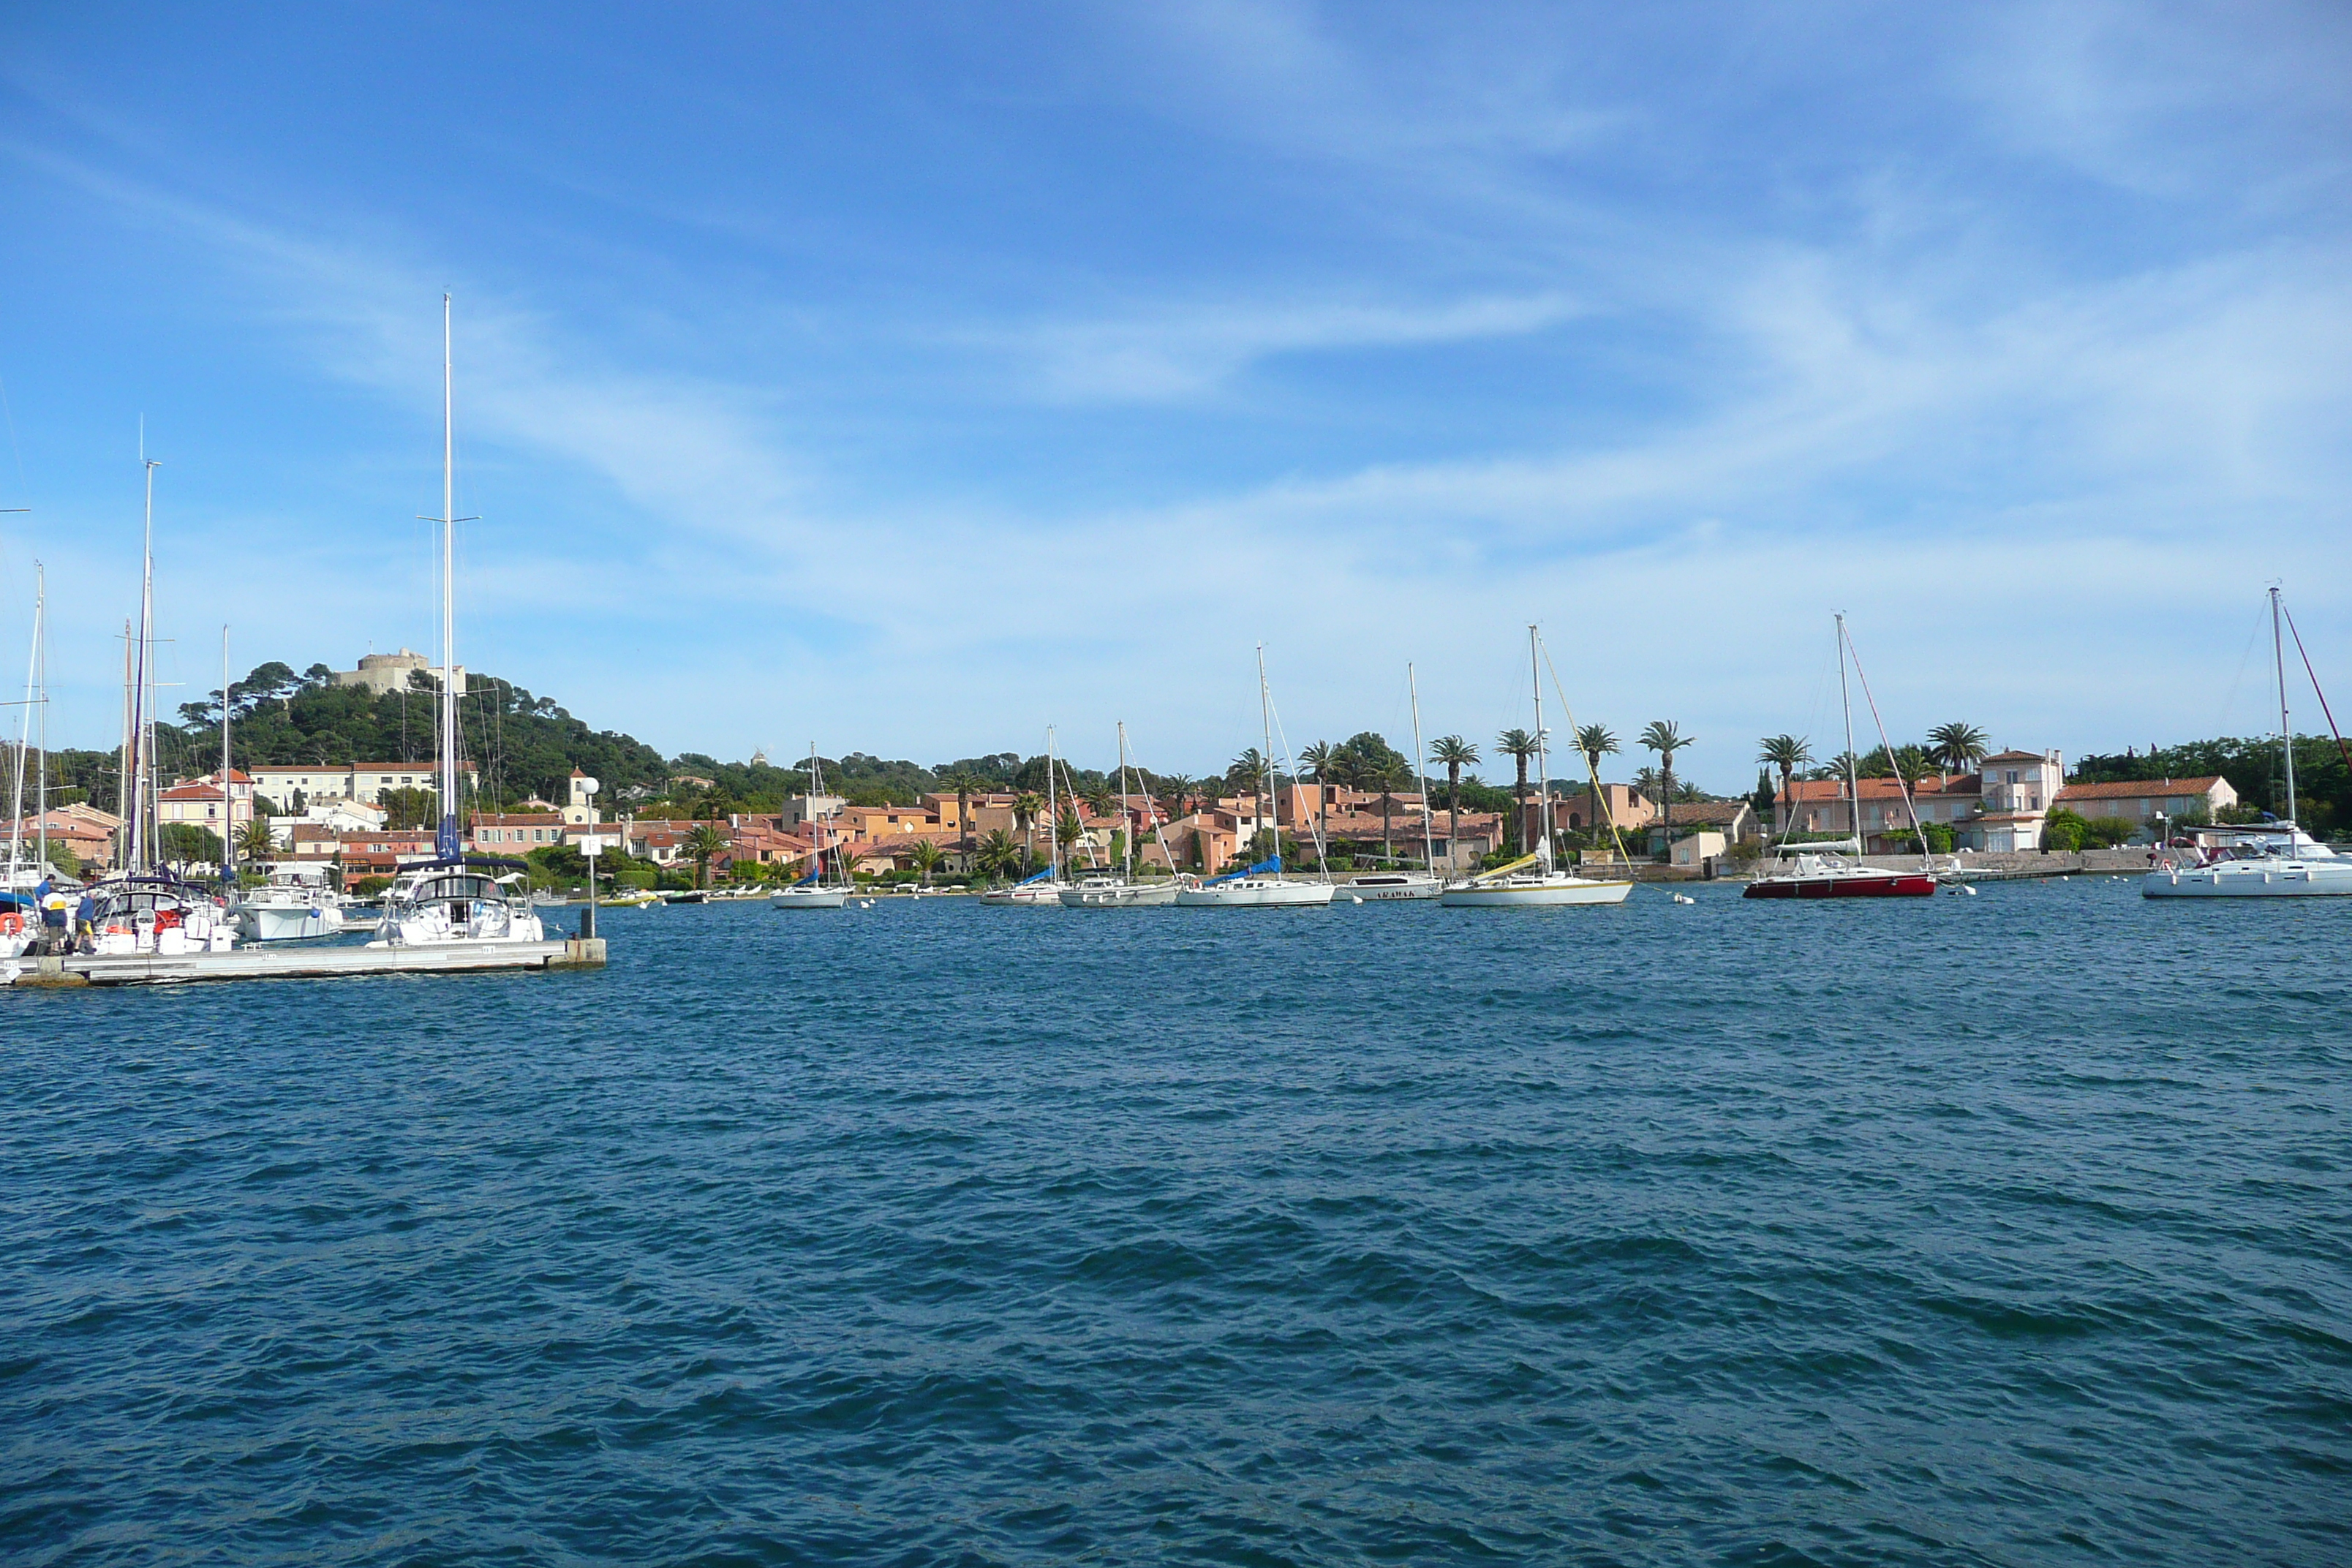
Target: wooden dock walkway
{"points": [[307, 962]]}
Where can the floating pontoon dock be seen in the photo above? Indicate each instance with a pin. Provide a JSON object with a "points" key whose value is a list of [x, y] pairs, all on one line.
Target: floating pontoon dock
{"points": [[308, 962]]}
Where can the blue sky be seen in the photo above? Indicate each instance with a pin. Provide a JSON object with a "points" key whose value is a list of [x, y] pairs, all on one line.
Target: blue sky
{"points": [[910, 378]]}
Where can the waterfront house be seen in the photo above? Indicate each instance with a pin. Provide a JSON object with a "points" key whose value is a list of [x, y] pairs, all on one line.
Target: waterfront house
{"points": [[2142, 801], [516, 833]]}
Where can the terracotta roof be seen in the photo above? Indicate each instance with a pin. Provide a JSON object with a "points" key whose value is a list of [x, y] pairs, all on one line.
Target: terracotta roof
{"points": [[1690, 813], [2017, 757], [1814, 792], [2138, 789]]}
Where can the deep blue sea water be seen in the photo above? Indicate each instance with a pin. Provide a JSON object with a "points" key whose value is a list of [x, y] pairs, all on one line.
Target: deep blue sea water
{"points": [[2006, 1230]]}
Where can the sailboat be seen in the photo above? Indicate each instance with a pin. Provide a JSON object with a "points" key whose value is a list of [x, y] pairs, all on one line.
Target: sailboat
{"points": [[1044, 890], [2266, 860], [20, 900], [1532, 881], [1262, 886], [146, 908], [1121, 890], [811, 891], [1834, 869], [294, 903], [450, 900], [1394, 887]]}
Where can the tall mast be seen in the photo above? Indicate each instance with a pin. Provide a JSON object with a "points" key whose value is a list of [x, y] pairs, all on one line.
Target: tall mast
{"points": [[1265, 759], [1853, 778], [24, 743], [122, 795], [1053, 812], [2286, 730], [449, 846], [1127, 870], [1421, 773], [142, 744], [229, 794], [41, 663], [1543, 758]]}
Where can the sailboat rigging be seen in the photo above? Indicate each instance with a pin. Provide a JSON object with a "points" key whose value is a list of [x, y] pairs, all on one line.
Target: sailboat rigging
{"points": [[450, 900]]}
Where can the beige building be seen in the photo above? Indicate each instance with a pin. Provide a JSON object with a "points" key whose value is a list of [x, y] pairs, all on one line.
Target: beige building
{"points": [[383, 672]]}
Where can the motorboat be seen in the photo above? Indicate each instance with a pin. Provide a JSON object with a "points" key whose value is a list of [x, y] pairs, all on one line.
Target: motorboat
{"points": [[1833, 870], [158, 914], [448, 903], [293, 904]]}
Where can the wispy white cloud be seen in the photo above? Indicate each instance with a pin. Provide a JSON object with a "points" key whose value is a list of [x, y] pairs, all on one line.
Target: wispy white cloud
{"points": [[1174, 352]]}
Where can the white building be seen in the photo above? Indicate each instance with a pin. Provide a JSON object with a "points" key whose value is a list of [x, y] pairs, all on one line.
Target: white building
{"points": [[280, 784]]}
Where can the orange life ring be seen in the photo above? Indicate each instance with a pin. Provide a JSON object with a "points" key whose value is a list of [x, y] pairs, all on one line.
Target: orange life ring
{"points": [[11, 923]]}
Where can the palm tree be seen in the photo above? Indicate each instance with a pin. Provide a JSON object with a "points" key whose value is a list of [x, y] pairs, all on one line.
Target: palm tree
{"points": [[924, 858], [997, 854], [1455, 753], [1026, 805], [1788, 753], [1320, 761], [254, 842], [1069, 831], [1101, 799], [1664, 738], [1244, 773], [1390, 779], [1956, 746], [1519, 745], [702, 844], [963, 782], [1596, 741], [1173, 788]]}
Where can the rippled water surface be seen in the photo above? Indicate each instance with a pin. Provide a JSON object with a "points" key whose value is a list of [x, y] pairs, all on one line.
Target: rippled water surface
{"points": [[2005, 1229]]}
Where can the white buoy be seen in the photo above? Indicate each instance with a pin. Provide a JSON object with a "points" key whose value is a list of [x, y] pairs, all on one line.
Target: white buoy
{"points": [[1685, 898], [1970, 892], [1355, 898]]}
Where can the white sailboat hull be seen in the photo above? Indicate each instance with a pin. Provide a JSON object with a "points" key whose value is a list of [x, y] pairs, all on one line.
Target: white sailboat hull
{"points": [[1556, 890], [1250, 893], [1390, 889], [1121, 896], [2265, 878], [808, 897], [1027, 896]]}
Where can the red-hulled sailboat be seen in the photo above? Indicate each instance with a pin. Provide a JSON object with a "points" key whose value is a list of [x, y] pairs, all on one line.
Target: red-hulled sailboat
{"points": [[1835, 869]]}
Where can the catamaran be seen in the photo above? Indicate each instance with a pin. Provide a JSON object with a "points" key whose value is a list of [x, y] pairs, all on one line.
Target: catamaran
{"points": [[1262, 886], [811, 893], [2274, 860], [451, 900], [1834, 868], [1532, 881], [1044, 890], [1121, 890]]}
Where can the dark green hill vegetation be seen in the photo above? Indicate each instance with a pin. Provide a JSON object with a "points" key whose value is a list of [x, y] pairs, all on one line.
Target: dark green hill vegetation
{"points": [[2323, 787], [523, 745]]}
